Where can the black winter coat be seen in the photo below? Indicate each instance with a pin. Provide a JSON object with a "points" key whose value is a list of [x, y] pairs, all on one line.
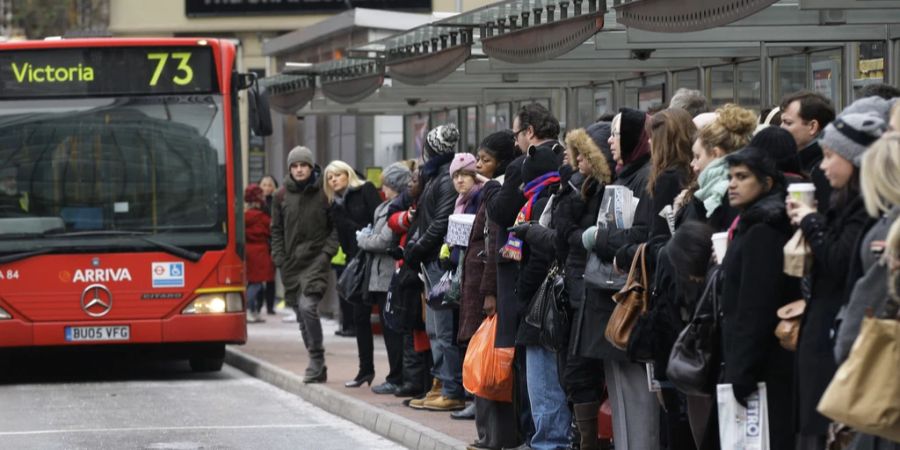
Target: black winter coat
{"points": [[432, 218], [503, 206], [755, 286], [354, 214], [668, 185], [621, 244], [719, 221], [810, 158], [832, 238]]}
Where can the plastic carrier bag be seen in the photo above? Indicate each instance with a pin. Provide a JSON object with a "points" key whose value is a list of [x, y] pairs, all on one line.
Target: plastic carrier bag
{"points": [[488, 371]]}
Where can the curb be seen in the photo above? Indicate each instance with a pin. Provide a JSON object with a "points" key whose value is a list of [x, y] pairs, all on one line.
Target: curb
{"points": [[399, 429]]}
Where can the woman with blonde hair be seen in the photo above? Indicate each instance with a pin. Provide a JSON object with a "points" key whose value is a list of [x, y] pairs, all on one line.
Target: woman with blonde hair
{"points": [[706, 199], [868, 278], [352, 205]]}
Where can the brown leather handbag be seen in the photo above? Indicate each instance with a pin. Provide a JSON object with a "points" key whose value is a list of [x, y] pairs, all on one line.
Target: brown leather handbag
{"points": [[631, 302], [788, 330]]}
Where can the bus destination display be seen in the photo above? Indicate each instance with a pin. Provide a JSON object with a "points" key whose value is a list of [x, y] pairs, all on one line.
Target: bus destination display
{"points": [[106, 71]]}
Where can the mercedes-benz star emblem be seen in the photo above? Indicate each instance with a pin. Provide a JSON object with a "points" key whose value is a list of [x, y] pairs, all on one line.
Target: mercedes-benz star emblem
{"points": [[96, 300]]}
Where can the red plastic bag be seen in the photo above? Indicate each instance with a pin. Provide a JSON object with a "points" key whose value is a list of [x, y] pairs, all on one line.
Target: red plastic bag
{"points": [[488, 371]]}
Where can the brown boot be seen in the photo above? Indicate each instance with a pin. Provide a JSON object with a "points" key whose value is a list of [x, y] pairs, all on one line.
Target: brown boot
{"points": [[442, 403], [435, 392], [586, 420]]}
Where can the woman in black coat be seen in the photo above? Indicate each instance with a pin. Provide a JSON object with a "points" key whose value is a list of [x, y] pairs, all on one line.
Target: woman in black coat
{"points": [[635, 409], [832, 238], [671, 136], [755, 286], [353, 203]]}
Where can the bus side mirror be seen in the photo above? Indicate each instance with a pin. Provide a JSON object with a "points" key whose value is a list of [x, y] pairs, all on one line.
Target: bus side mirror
{"points": [[260, 114]]}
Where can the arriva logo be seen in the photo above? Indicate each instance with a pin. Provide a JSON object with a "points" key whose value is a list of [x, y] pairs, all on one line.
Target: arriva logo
{"points": [[101, 275]]}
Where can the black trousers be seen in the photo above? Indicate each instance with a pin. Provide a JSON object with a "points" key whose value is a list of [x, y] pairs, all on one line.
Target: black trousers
{"points": [[393, 341], [583, 379], [269, 294], [346, 307], [416, 365]]}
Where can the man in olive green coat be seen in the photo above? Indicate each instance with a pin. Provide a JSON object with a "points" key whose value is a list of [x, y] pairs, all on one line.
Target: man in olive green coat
{"points": [[303, 243]]}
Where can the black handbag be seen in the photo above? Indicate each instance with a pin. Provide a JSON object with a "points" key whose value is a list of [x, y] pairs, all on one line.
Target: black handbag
{"points": [[352, 285], [655, 332], [548, 311], [695, 357], [601, 275], [403, 306]]}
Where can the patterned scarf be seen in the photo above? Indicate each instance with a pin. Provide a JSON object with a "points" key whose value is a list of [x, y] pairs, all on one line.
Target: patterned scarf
{"points": [[532, 191]]}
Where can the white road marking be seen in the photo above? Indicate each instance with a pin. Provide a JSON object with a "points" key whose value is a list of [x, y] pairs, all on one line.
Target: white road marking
{"points": [[120, 430]]}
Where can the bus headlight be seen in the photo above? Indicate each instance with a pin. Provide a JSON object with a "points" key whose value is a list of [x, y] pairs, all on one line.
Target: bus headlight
{"points": [[4, 315], [215, 304]]}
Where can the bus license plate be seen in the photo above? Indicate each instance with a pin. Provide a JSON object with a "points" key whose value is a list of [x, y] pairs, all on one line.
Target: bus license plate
{"points": [[108, 333]]}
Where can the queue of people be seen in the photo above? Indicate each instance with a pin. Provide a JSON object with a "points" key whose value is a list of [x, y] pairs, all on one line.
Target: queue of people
{"points": [[692, 215]]}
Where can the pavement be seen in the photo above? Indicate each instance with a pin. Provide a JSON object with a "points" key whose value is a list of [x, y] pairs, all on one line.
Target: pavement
{"points": [[274, 353]]}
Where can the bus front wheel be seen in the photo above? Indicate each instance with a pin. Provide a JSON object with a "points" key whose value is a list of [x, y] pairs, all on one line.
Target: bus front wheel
{"points": [[208, 359]]}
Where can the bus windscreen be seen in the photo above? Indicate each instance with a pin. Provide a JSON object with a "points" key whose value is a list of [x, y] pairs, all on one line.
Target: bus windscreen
{"points": [[106, 71]]}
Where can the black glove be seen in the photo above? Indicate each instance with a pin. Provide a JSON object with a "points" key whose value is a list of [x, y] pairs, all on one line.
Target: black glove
{"points": [[413, 255], [520, 230], [742, 391], [396, 253]]}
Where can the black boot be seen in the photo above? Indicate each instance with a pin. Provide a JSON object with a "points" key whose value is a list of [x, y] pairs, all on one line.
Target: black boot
{"points": [[316, 372], [586, 420]]}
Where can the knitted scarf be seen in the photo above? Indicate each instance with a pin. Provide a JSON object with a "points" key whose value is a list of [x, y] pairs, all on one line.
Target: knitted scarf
{"points": [[713, 183], [532, 191]]}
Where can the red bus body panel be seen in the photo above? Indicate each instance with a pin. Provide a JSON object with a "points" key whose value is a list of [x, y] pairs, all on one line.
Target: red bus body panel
{"points": [[45, 296]]}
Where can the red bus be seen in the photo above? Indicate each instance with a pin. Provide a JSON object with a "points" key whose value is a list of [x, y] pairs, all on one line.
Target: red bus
{"points": [[121, 215]]}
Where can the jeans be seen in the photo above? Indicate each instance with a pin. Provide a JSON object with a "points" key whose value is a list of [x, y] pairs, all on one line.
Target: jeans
{"points": [[548, 401], [310, 325], [254, 294], [439, 324]]}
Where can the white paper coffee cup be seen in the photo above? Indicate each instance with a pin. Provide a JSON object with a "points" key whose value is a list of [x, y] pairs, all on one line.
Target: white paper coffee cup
{"points": [[803, 192], [720, 245]]}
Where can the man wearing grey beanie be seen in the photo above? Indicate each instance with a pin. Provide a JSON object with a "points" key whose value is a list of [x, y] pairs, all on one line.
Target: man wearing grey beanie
{"points": [[303, 242]]}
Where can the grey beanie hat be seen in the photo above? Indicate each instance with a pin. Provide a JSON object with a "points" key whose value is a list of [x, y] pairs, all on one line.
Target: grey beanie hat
{"points": [[851, 134], [300, 154], [396, 176], [870, 105], [441, 140]]}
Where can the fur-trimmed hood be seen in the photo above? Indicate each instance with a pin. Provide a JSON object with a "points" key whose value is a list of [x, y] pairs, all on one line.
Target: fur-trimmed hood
{"points": [[581, 143]]}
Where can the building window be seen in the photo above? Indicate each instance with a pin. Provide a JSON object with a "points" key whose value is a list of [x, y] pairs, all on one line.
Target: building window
{"points": [[721, 85], [789, 75], [748, 81], [688, 79], [869, 66], [825, 75]]}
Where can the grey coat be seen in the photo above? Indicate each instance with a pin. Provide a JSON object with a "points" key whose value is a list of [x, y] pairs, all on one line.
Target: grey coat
{"points": [[377, 245], [868, 291]]}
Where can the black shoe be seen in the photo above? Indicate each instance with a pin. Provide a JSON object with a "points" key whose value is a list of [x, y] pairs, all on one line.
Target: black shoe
{"points": [[465, 414], [271, 312], [385, 388], [408, 390], [345, 333], [359, 380]]}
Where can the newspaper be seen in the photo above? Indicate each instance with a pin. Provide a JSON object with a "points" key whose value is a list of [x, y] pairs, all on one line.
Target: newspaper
{"points": [[617, 208]]}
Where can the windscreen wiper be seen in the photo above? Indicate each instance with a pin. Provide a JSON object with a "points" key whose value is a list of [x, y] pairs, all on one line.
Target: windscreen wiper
{"points": [[22, 255], [169, 248]]}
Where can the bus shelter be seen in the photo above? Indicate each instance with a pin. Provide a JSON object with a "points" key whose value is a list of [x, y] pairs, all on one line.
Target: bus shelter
{"points": [[584, 58]]}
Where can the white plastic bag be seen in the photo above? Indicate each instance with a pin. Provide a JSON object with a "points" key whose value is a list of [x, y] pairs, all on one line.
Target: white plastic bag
{"points": [[743, 428]]}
